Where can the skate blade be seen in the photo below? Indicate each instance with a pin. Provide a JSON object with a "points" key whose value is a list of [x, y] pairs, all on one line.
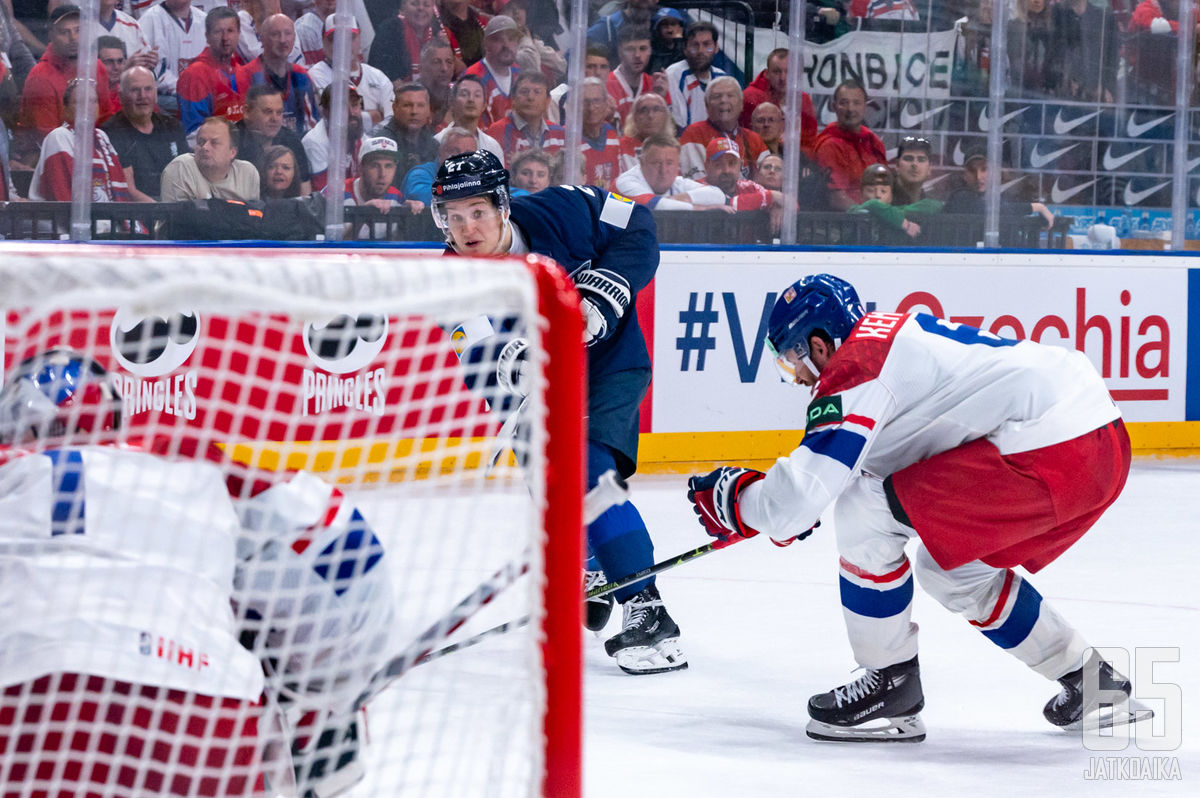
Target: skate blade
{"points": [[906, 729], [663, 657], [1105, 718]]}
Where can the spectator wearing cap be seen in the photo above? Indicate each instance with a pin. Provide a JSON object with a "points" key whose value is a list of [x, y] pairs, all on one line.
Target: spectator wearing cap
{"points": [[176, 30], [496, 70], [649, 116], [408, 126], [723, 101], [655, 181], [767, 122], [405, 34], [666, 39], [877, 188], [968, 198], [418, 184], [275, 68], [262, 125], [42, 96], [376, 172], [524, 127], [310, 31], [724, 169], [770, 86], [55, 169], [145, 139], [213, 170], [634, 13], [466, 112], [316, 141], [687, 80], [533, 55], [601, 142], [630, 79], [531, 171], [466, 24], [846, 147], [209, 87], [913, 165], [373, 87]]}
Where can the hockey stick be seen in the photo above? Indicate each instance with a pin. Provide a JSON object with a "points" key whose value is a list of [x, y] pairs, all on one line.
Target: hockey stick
{"points": [[610, 490], [505, 436], [599, 590]]}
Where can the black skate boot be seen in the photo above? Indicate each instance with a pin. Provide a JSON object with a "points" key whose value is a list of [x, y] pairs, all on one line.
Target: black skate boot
{"points": [[879, 707], [1069, 710], [600, 608], [649, 641]]}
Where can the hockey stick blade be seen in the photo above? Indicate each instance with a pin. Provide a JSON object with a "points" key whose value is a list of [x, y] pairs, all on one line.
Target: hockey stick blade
{"points": [[599, 590], [610, 491], [505, 436]]}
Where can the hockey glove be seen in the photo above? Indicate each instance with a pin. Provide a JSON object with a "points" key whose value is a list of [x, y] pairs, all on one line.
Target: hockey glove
{"points": [[512, 367], [604, 297], [794, 538], [714, 497]]}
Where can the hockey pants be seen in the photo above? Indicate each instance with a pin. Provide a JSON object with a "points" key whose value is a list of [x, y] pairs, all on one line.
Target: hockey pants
{"points": [[876, 582]]}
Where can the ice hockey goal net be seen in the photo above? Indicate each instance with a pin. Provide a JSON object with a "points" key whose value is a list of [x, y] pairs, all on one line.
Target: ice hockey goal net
{"points": [[264, 478]]}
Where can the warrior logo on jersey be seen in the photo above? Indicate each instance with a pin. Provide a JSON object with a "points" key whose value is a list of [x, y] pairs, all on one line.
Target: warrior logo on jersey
{"points": [[342, 346], [151, 347]]}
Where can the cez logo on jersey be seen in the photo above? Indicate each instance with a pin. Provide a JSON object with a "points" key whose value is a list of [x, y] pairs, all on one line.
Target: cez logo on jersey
{"points": [[150, 347], [343, 345]]}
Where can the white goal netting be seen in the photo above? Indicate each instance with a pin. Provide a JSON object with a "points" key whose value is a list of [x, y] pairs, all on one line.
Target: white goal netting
{"points": [[248, 497]]}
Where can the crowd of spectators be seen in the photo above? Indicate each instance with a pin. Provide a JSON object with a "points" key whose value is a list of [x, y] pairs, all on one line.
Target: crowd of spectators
{"points": [[209, 99]]}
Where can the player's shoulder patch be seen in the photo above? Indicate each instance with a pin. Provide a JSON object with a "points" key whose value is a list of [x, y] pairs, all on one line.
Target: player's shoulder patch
{"points": [[824, 410], [617, 210], [861, 356]]}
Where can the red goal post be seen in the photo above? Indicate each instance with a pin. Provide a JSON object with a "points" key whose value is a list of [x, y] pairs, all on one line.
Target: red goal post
{"points": [[267, 363]]}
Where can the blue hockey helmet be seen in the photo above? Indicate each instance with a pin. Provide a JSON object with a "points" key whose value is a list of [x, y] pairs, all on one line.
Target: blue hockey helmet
{"points": [[469, 174], [817, 302], [56, 393]]}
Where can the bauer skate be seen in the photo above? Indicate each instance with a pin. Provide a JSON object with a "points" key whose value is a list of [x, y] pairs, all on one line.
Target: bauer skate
{"points": [[600, 608], [649, 641], [1104, 710], [879, 707]]}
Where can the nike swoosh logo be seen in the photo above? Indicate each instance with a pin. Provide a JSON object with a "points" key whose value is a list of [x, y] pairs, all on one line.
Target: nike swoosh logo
{"points": [[1064, 126], [935, 180], [892, 153], [1192, 164], [984, 122], [1111, 164], [1058, 196], [1038, 160], [1136, 128], [912, 120], [958, 155], [1006, 186], [1134, 197]]}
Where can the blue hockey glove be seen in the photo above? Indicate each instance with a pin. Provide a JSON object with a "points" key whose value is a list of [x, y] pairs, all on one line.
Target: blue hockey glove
{"points": [[604, 297], [714, 497]]}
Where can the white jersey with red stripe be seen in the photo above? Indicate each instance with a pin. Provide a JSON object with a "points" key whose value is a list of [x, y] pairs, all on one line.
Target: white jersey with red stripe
{"points": [[903, 388], [117, 563]]}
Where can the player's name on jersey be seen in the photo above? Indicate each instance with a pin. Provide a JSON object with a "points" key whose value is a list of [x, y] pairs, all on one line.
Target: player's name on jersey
{"points": [[174, 395], [320, 392]]}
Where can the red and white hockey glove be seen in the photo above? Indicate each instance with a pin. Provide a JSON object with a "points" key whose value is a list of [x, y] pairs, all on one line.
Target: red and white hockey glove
{"points": [[714, 497]]}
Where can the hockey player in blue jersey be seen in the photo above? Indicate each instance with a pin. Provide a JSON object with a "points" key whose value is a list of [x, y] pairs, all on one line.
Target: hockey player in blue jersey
{"points": [[609, 246]]}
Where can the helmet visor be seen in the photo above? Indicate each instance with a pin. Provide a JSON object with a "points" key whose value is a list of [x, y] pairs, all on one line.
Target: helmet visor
{"points": [[786, 358]]}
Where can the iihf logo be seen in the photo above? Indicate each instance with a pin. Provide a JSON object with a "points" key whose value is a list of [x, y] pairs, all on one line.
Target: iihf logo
{"points": [[150, 347], [344, 345]]}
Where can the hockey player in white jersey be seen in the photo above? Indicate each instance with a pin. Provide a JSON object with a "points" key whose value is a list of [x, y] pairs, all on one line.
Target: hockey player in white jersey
{"points": [[126, 582], [995, 453]]}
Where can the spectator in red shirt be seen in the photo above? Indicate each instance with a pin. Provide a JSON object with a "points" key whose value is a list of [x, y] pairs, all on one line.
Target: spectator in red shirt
{"points": [[650, 117], [630, 80], [55, 170], [723, 100], [209, 86], [1148, 13], [771, 86], [846, 147], [274, 68], [42, 97], [496, 69], [601, 142], [725, 172], [525, 127]]}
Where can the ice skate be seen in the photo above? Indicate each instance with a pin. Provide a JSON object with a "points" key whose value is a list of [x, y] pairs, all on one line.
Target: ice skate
{"points": [[1068, 709], [879, 707], [649, 641], [600, 608]]}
